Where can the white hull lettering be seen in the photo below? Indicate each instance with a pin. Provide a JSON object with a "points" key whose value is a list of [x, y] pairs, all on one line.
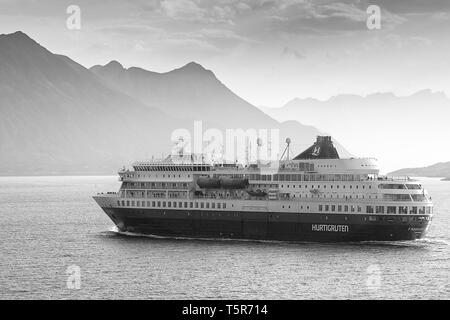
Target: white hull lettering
{"points": [[329, 227]]}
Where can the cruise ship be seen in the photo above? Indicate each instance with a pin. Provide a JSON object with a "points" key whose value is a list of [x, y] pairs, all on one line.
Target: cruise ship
{"points": [[313, 197]]}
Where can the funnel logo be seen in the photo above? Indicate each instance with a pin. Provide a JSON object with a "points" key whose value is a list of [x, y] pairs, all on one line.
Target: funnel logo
{"points": [[316, 151]]}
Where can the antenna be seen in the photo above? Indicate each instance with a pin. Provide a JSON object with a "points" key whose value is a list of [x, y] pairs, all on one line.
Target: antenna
{"points": [[287, 149], [258, 150]]}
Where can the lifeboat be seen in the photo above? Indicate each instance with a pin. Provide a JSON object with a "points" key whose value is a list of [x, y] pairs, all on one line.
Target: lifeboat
{"points": [[233, 183], [208, 183], [222, 183], [257, 193]]}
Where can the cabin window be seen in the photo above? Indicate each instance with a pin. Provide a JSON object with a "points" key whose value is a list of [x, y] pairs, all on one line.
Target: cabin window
{"points": [[202, 205], [391, 210], [402, 210], [153, 203], [369, 209], [379, 209]]}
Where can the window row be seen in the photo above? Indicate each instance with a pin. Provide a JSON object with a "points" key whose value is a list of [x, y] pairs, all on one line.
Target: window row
{"points": [[171, 204], [375, 209]]}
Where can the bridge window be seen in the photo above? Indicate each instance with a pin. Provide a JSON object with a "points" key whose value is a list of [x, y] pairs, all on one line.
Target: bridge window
{"points": [[414, 186], [418, 197], [391, 186]]}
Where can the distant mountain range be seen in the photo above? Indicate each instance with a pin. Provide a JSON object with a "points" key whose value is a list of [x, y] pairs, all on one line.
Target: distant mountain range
{"points": [[57, 117], [399, 131], [437, 170]]}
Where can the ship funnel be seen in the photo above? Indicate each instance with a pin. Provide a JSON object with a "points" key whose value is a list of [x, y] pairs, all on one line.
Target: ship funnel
{"points": [[323, 148]]}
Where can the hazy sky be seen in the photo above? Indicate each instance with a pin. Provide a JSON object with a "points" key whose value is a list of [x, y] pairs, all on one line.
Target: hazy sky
{"points": [[268, 52]]}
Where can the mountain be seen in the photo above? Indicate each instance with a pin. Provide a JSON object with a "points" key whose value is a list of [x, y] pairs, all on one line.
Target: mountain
{"points": [[189, 92], [437, 170], [57, 117], [397, 130], [193, 92]]}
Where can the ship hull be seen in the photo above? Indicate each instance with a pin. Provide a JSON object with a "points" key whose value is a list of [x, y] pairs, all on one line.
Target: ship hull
{"points": [[310, 227]]}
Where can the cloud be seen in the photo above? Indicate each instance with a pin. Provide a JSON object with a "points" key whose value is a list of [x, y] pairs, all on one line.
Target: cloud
{"points": [[183, 9], [287, 51], [414, 6]]}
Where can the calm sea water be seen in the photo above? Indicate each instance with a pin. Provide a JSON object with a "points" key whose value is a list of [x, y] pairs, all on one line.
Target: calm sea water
{"points": [[51, 223]]}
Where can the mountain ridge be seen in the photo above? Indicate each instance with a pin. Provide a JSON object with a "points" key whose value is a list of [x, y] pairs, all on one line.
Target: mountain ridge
{"points": [[59, 117], [437, 170]]}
